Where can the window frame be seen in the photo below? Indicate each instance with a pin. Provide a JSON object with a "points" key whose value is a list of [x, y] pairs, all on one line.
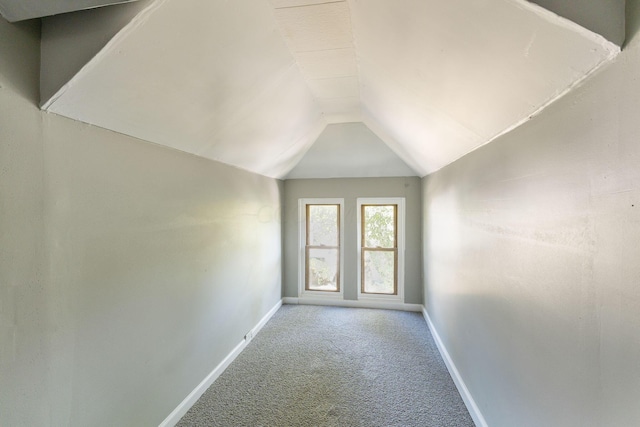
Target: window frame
{"points": [[400, 247], [302, 247]]}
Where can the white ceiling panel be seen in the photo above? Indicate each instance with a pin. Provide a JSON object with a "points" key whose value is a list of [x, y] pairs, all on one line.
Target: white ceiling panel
{"points": [[338, 87], [321, 41], [317, 27], [328, 63], [341, 110], [340, 105]]}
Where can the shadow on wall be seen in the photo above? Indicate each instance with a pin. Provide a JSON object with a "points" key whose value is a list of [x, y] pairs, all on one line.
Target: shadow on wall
{"points": [[22, 72], [632, 24]]}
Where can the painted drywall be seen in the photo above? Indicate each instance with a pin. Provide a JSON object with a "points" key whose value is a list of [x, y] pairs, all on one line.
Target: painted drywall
{"points": [[350, 189], [70, 40], [23, 285], [531, 259], [128, 270], [349, 150]]}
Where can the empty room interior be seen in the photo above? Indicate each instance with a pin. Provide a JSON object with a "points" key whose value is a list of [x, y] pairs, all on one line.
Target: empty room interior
{"points": [[173, 173]]}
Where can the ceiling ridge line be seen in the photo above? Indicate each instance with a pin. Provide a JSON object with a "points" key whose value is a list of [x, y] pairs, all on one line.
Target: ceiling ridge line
{"points": [[374, 126], [311, 135], [352, 30]]}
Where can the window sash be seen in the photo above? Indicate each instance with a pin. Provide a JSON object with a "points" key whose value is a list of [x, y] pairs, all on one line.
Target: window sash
{"points": [[365, 249], [308, 248]]}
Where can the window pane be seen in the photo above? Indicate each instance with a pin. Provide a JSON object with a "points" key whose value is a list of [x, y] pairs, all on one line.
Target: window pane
{"points": [[379, 272], [379, 226], [322, 274], [323, 225]]}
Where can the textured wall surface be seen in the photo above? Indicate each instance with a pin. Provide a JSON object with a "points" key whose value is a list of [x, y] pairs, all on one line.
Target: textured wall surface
{"points": [[531, 259], [128, 271], [350, 189]]}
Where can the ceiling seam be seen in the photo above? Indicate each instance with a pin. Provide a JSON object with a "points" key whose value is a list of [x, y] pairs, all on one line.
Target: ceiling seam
{"points": [[347, 45], [324, 50], [308, 5], [341, 97], [334, 77], [357, 61]]}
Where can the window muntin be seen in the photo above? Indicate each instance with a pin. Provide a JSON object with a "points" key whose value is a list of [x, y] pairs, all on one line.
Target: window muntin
{"points": [[320, 247], [379, 249], [322, 250]]}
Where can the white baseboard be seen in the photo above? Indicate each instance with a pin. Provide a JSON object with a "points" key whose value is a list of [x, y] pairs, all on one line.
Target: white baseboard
{"points": [[354, 303], [193, 397], [472, 407], [254, 331]]}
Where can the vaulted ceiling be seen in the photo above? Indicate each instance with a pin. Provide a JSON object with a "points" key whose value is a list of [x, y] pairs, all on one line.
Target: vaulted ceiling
{"points": [[254, 83]]}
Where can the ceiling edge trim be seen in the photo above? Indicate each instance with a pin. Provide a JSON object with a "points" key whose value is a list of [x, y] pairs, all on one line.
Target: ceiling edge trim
{"points": [[139, 20]]}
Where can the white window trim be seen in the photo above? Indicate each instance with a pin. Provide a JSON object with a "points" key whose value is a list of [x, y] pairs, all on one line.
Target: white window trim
{"points": [[302, 235], [400, 201]]}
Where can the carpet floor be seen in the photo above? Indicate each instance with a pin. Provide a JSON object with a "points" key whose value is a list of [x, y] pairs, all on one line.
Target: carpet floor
{"points": [[334, 366]]}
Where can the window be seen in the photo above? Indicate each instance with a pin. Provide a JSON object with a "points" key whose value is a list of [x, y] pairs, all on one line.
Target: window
{"points": [[380, 248], [321, 241]]}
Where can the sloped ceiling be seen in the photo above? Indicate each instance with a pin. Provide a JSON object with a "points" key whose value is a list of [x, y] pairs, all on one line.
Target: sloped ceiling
{"points": [[442, 86], [253, 83]]}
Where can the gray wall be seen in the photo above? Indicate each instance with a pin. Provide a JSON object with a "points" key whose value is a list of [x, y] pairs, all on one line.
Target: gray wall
{"points": [[127, 271], [350, 189], [70, 40], [605, 17], [532, 259]]}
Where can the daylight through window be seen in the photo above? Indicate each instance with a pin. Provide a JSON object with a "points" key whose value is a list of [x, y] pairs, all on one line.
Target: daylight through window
{"points": [[322, 250], [379, 249]]}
